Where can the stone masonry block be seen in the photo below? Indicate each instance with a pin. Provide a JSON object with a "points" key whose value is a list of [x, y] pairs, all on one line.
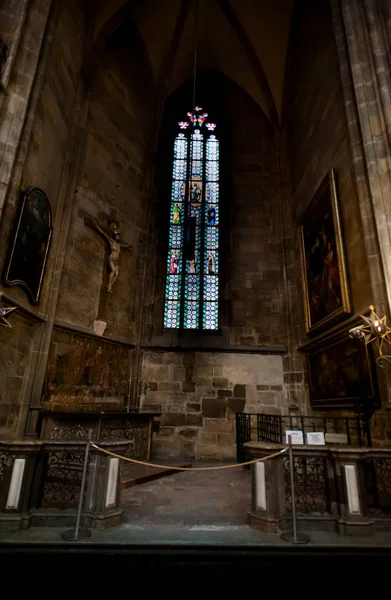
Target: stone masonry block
{"points": [[151, 385], [193, 407], [224, 393], [213, 408], [169, 386], [188, 386], [219, 425], [239, 391], [188, 433], [178, 373], [195, 420], [220, 382], [236, 404], [173, 419]]}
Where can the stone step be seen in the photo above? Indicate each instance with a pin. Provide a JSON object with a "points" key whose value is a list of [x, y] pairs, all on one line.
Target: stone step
{"points": [[138, 474]]}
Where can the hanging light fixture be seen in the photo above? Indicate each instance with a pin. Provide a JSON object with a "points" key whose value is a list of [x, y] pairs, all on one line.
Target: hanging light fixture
{"points": [[374, 329]]}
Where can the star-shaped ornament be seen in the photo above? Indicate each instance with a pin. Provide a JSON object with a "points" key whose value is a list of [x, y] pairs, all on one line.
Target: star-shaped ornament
{"points": [[4, 312], [375, 328]]}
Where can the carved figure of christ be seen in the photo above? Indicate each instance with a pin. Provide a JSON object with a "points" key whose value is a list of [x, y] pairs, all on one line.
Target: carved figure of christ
{"points": [[114, 247]]}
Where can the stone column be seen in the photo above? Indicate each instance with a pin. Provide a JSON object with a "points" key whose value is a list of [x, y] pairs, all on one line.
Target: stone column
{"points": [[363, 33]]}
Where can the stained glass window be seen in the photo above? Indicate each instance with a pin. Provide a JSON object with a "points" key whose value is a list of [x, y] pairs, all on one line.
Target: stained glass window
{"points": [[192, 268]]}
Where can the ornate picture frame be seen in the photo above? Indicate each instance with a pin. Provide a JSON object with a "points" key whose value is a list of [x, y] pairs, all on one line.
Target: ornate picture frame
{"points": [[323, 265], [26, 262], [342, 374]]}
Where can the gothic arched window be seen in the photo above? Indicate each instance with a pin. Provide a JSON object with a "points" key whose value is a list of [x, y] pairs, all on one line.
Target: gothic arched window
{"points": [[192, 282]]}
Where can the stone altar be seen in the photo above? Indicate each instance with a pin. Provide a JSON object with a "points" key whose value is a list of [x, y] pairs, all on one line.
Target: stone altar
{"points": [[135, 427]]}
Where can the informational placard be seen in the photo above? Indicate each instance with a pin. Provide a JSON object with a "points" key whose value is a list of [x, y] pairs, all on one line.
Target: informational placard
{"points": [[296, 437], [315, 438], [336, 438]]}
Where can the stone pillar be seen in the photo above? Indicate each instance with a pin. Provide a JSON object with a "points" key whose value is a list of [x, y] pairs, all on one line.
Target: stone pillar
{"points": [[268, 499], [362, 30], [353, 518], [18, 462]]}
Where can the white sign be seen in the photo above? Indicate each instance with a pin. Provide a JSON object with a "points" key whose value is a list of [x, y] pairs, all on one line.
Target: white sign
{"points": [[316, 438], [296, 437]]}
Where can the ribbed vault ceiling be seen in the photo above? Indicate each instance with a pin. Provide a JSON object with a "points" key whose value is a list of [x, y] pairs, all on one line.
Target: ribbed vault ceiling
{"points": [[244, 39]]}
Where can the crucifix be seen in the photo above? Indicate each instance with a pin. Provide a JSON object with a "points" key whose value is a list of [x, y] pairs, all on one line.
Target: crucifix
{"points": [[112, 237], [114, 243]]}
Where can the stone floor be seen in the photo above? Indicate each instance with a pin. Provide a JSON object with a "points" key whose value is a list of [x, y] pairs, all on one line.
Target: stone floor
{"points": [[220, 498]]}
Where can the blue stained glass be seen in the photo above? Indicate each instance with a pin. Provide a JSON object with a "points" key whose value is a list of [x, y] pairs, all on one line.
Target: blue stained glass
{"points": [[178, 191], [176, 236], [210, 316], [172, 314], [192, 287], [197, 146], [211, 288], [180, 146], [212, 148], [212, 171], [173, 287], [211, 238], [196, 169], [179, 170], [212, 214], [191, 315], [212, 192], [197, 197], [211, 262]]}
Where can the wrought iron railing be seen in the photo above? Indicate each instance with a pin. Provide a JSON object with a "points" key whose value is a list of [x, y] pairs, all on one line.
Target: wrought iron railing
{"points": [[62, 478], [311, 485], [254, 427], [377, 479]]}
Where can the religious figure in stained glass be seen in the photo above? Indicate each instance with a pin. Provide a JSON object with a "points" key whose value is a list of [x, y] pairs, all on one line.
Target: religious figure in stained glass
{"points": [[177, 214], [211, 216], [174, 263], [211, 264], [191, 296], [192, 265]]}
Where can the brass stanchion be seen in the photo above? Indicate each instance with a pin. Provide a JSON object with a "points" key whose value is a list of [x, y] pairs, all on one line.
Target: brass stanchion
{"points": [[292, 536], [80, 533]]}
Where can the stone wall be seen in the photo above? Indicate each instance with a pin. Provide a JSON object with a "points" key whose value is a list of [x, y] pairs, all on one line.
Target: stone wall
{"points": [[198, 394], [317, 134], [112, 182], [42, 80], [315, 139]]}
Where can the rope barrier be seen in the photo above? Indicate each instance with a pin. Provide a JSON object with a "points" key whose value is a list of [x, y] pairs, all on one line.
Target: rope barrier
{"points": [[147, 464]]}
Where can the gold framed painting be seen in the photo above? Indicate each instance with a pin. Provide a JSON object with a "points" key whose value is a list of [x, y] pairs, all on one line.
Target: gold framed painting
{"points": [[323, 266], [27, 257]]}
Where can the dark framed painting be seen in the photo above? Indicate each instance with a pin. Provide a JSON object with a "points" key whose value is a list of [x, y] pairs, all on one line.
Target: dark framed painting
{"points": [[323, 267], [25, 265], [342, 374]]}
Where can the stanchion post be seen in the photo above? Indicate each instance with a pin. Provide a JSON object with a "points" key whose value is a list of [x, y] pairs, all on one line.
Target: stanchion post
{"points": [[80, 533], [292, 536]]}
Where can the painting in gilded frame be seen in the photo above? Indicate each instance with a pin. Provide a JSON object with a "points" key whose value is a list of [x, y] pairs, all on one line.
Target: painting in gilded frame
{"points": [[29, 249], [326, 295], [342, 374]]}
